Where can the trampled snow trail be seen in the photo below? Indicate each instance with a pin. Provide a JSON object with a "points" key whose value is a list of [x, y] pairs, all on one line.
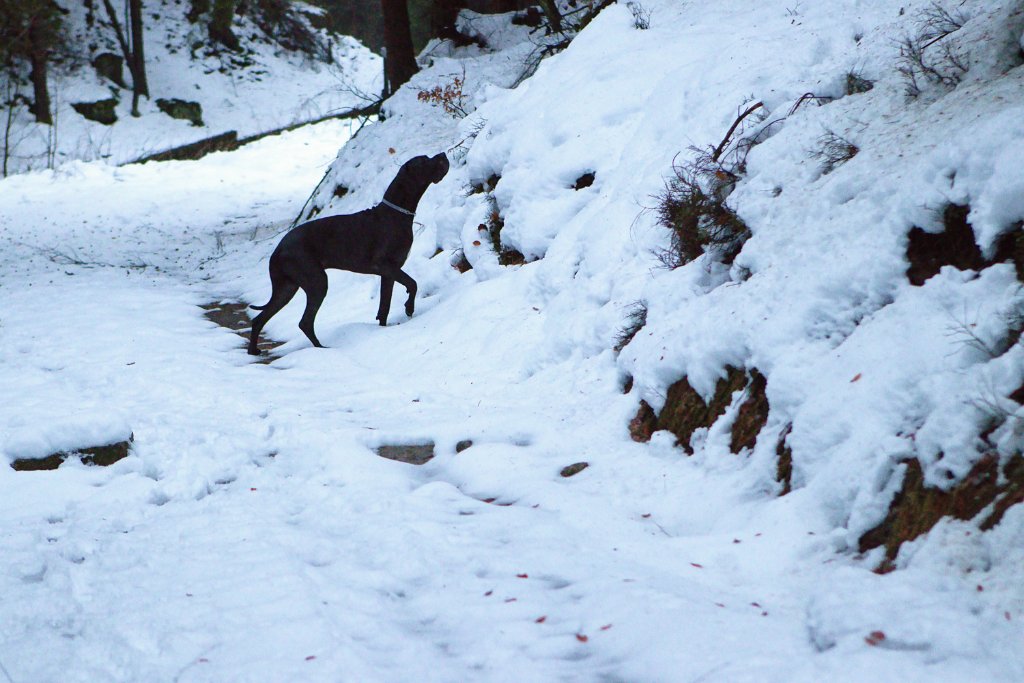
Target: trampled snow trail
{"points": [[254, 534]]}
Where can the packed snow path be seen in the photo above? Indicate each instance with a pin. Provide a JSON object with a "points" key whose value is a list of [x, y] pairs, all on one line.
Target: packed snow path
{"points": [[254, 535]]}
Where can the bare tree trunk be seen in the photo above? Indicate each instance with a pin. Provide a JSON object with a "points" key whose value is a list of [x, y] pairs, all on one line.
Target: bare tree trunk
{"points": [[139, 81], [37, 56], [220, 24], [399, 60], [10, 99], [553, 15]]}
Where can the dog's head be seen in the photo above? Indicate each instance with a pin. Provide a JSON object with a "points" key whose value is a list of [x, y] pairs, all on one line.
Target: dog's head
{"points": [[427, 169]]}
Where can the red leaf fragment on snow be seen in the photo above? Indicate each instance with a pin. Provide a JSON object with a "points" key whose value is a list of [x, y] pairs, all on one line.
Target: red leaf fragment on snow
{"points": [[582, 638], [540, 620], [253, 489], [698, 566], [510, 599], [720, 604], [522, 576], [764, 614], [646, 516], [476, 243], [735, 540], [874, 638], [1007, 615], [754, 604], [310, 658], [391, 150], [488, 594], [855, 378], [980, 588], [606, 627]]}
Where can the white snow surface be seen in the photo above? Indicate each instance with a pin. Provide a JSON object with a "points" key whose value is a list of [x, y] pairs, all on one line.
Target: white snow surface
{"points": [[253, 534]]}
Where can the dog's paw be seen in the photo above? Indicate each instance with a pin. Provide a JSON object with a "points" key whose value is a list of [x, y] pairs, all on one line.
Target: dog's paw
{"points": [[409, 308]]}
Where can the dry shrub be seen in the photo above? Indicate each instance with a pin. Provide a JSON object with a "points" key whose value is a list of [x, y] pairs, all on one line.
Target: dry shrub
{"points": [[448, 96], [692, 206]]}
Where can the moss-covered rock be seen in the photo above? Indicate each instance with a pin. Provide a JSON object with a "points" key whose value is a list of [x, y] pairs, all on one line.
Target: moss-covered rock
{"points": [[182, 109], [752, 416], [784, 461], [100, 111], [685, 411], [102, 456], [643, 424], [574, 469], [110, 66], [984, 494]]}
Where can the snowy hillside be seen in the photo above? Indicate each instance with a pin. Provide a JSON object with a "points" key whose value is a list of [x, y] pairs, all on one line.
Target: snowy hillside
{"points": [[261, 87], [795, 456]]}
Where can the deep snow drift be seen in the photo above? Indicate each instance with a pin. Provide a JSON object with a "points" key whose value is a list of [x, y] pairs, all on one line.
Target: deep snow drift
{"points": [[253, 534]]}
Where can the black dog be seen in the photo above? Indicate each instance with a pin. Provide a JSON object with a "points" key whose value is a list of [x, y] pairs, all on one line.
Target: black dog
{"points": [[373, 241]]}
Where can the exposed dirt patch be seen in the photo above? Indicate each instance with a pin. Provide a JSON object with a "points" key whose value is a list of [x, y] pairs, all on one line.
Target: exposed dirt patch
{"points": [[103, 456], [987, 489], [234, 317], [413, 454], [928, 252]]}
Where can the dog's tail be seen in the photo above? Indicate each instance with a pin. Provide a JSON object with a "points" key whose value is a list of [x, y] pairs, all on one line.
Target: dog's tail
{"points": [[259, 308]]}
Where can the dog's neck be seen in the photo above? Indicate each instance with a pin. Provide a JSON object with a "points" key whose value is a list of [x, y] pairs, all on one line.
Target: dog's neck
{"points": [[405, 192]]}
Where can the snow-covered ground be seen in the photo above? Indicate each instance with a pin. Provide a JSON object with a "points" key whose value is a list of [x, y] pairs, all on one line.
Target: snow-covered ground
{"points": [[253, 534]]}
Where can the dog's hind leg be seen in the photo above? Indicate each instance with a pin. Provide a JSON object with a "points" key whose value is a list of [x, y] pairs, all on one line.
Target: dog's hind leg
{"points": [[284, 290], [387, 285], [314, 284]]}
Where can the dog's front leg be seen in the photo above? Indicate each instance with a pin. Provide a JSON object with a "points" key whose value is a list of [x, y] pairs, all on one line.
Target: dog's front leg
{"points": [[386, 286], [401, 277]]}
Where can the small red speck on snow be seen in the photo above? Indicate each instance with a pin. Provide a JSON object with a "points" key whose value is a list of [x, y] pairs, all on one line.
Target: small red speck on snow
{"points": [[646, 516], [606, 627], [489, 500], [510, 599], [188, 595], [522, 576], [535, 506], [855, 378], [735, 540], [540, 620], [758, 533], [203, 660], [764, 614], [391, 150], [720, 604], [1007, 615], [253, 489], [698, 566], [582, 638], [476, 243], [754, 604], [874, 638], [310, 658], [980, 588], [488, 594]]}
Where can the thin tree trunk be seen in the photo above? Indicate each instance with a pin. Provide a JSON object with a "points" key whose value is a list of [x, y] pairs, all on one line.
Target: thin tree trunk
{"points": [[11, 99], [40, 91], [399, 60], [553, 15], [139, 82]]}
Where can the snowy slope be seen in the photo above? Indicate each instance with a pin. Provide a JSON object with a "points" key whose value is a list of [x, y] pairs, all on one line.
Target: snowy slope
{"points": [[263, 87], [253, 534]]}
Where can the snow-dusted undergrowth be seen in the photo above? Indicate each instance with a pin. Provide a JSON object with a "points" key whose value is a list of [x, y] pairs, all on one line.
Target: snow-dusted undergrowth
{"points": [[254, 535], [260, 88]]}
